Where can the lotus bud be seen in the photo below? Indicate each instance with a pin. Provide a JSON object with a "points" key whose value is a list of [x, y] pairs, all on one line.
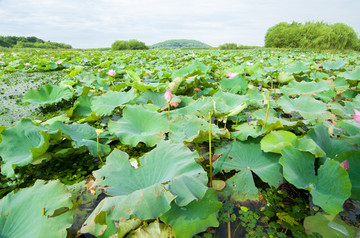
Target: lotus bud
{"points": [[345, 164], [98, 132], [356, 116], [168, 95]]}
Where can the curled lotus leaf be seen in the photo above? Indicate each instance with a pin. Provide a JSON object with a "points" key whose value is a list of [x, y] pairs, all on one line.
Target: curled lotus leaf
{"points": [[21, 145], [39, 211], [167, 173], [48, 94]]}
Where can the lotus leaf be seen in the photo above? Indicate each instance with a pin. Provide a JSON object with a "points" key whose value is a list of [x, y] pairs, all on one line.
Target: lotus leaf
{"points": [[248, 156], [298, 88], [194, 218], [82, 135], [332, 147], [351, 75], [329, 189], [38, 211], [166, 173], [234, 85], [244, 130], [328, 226], [296, 67], [48, 94], [82, 109], [272, 119], [22, 144], [105, 104], [156, 99], [354, 173], [332, 65], [194, 69], [140, 125], [154, 230], [275, 141], [200, 108], [193, 129], [307, 106], [285, 77]]}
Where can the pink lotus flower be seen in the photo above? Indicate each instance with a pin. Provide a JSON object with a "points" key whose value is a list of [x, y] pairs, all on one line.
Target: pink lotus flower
{"points": [[52, 57], [356, 116], [345, 164], [140, 62], [35, 87], [27, 64], [231, 75], [248, 63], [111, 72], [86, 60], [168, 95], [59, 62]]}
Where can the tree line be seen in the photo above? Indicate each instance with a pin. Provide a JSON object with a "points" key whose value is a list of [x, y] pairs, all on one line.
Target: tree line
{"points": [[129, 45], [30, 42], [312, 35]]}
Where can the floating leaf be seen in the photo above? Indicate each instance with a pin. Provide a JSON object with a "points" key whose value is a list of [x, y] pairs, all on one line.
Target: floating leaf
{"points": [[298, 88], [328, 226], [235, 84], [21, 145], [296, 68], [140, 125], [244, 130], [166, 173], [37, 211], [249, 156], [105, 104], [194, 218], [351, 75], [275, 141], [285, 77], [307, 106], [332, 65], [329, 189], [193, 129], [48, 94]]}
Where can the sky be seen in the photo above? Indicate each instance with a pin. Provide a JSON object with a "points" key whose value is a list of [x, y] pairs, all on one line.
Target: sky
{"points": [[98, 23]]}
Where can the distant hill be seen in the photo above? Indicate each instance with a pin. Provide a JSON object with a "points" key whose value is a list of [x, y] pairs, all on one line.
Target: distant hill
{"points": [[180, 43]]}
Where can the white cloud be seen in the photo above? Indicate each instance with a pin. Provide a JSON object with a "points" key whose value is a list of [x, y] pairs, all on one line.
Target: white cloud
{"points": [[97, 23]]}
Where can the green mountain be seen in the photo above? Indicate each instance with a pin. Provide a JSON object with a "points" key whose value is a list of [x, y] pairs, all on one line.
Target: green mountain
{"points": [[180, 43]]}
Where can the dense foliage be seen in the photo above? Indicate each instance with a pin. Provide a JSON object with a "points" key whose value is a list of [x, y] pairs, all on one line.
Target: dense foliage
{"points": [[129, 45], [169, 143], [30, 42], [180, 43], [312, 35]]}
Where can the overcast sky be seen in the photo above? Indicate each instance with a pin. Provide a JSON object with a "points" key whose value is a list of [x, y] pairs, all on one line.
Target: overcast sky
{"points": [[98, 23]]}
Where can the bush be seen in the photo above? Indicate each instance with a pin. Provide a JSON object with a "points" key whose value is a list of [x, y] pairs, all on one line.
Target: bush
{"points": [[228, 46], [129, 45], [312, 35]]}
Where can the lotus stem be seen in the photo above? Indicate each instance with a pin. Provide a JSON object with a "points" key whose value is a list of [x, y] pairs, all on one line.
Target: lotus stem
{"points": [[210, 160], [228, 225], [98, 132], [267, 109], [169, 111]]}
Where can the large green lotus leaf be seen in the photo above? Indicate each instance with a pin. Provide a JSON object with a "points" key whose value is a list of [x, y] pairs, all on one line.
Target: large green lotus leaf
{"points": [[140, 125], [329, 189], [194, 218], [351, 75], [332, 187], [298, 88], [307, 144], [226, 103], [298, 167], [166, 173], [241, 187], [195, 68], [307, 106], [331, 65], [22, 144], [332, 147], [341, 85], [105, 104], [244, 130], [351, 126], [193, 129], [143, 87], [275, 141], [328, 226], [48, 94], [200, 108], [354, 173], [155, 98], [272, 119], [82, 109], [234, 85], [296, 67], [240, 156], [82, 135], [37, 211]]}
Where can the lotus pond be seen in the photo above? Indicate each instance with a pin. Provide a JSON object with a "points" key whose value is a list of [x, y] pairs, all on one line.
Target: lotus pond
{"points": [[207, 143]]}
